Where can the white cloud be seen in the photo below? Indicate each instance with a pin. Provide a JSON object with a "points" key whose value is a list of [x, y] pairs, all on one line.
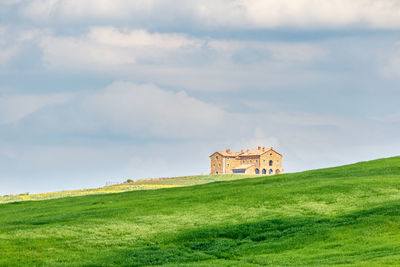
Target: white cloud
{"points": [[139, 38], [147, 109], [70, 9], [225, 13], [14, 108], [303, 13], [289, 52], [12, 42], [105, 47], [175, 60]]}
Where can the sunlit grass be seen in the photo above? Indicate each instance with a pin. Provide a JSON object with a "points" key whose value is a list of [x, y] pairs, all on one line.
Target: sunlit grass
{"points": [[344, 216]]}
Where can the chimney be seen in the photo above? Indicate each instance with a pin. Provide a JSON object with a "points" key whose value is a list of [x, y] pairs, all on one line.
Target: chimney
{"points": [[271, 147], [247, 150], [263, 148], [259, 148], [228, 150], [241, 151]]}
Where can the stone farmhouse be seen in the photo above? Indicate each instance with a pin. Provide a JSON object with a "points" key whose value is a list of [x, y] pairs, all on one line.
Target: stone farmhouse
{"points": [[251, 161]]}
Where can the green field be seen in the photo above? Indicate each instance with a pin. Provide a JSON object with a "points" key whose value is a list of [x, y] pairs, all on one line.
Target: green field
{"points": [[347, 215]]}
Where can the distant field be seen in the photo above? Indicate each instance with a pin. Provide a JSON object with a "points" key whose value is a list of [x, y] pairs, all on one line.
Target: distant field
{"points": [[143, 184], [343, 216]]}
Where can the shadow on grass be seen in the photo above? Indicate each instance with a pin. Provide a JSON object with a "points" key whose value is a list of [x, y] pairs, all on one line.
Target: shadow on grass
{"points": [[266, 237]]}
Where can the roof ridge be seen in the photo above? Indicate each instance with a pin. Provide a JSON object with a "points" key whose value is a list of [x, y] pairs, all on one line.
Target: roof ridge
{"points": [[248, 152]]}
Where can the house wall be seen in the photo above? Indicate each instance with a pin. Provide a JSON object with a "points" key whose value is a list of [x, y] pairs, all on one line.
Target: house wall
{"points": [[231, 163], [250, 160], [276, 162], [217, 164], [251, 170]]}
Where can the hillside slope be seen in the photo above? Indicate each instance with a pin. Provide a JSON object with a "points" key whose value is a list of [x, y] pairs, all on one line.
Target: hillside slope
{"points": [[347, 215], [142, 184]]}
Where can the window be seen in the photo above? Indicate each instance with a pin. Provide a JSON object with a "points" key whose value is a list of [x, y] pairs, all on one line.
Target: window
{"points": [[277, 161], [270, 163], [257, 171], [264, 160], [270, 171], [228, 164], [214, 165], [243, 161], [264, 171], [239, 171], [251, 161], [270, 154], [219, 165], [256, 161], [217, 157], [227, 158]]}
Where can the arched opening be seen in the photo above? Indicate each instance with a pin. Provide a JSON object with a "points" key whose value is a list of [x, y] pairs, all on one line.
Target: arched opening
{"points": [[270, 163], [270, 171], [217, 172], [277, 171], [257, 171], [264, 171]]}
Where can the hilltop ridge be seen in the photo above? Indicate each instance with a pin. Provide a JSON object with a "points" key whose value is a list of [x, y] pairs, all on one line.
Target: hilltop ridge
{"points": [[141, 184]]}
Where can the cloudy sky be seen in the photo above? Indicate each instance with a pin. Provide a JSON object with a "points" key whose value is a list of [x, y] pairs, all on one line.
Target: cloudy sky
{"points": [[97, 91]]}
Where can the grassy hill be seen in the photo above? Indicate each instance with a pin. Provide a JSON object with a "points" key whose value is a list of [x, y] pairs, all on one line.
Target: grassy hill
{"points": [[347, 215], [142, 184]]}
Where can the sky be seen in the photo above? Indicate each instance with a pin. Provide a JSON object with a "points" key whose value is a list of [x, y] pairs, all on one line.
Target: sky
{"points": [[98, 91]]}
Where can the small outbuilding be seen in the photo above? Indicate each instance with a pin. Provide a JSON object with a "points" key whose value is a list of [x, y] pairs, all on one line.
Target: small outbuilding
{"points": [[245, 168]]}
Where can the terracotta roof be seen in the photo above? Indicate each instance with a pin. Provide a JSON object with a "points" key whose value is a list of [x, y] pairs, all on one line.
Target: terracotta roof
{"points": [[250, 152], [230, 154], [271, 149], [243, 166], [225, 154], [256, 152]]}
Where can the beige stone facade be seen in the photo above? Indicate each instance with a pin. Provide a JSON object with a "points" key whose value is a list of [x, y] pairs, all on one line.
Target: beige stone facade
{"points": [[252, 161]]}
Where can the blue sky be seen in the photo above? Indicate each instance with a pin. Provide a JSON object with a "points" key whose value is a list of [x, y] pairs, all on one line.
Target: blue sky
{"points": [[97, 91]]}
